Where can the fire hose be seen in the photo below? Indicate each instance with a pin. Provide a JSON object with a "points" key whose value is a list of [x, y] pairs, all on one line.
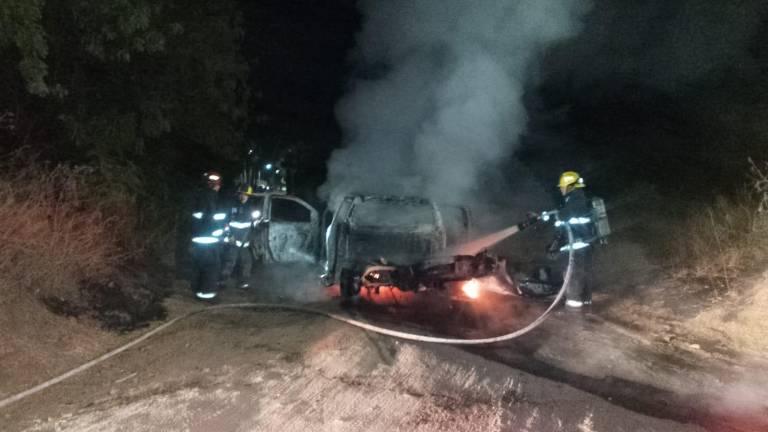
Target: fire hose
{"points": [[293, 308]]}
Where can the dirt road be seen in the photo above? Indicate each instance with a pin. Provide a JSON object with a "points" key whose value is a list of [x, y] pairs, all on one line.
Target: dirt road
{"points": [[244, 371], [661, 369]]}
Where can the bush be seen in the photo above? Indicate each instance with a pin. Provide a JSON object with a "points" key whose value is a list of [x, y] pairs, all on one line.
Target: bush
{"points": [[61, 226], [730, 236]]}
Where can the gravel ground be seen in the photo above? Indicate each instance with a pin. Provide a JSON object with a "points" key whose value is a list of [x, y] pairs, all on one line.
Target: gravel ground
{"points": [[624, 366], [250, 371]]}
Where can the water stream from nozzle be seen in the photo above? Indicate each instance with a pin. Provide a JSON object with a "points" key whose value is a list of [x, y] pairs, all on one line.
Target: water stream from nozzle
{"points": [[476, 246]]}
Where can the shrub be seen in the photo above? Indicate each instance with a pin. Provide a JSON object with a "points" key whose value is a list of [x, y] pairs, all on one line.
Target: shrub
{"points": [[730, 236], [60, 226]]}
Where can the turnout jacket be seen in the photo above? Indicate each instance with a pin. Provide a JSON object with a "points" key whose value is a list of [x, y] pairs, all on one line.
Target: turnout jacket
{"points": [[208, 218], [576, 212], [242, 218]]}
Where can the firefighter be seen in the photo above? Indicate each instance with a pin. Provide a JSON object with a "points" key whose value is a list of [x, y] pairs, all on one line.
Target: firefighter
{"points": [[577, 214], [243, 218], [209, 221]]}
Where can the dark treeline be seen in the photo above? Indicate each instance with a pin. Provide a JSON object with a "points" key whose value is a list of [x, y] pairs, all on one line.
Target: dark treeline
{"points": [[131, 87], [109, 111]]}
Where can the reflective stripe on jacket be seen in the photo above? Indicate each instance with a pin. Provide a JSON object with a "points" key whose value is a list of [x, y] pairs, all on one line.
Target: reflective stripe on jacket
{"points": [[577, 214]]}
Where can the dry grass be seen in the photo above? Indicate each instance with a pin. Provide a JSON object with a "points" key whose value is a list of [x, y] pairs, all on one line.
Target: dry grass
{"points": [[729, 237], [60, 226], [66, 235]]}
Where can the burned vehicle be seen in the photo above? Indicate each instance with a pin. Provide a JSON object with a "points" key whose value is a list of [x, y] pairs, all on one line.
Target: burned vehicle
{"points": [[434, 273], [376, 241], [286, 229]]}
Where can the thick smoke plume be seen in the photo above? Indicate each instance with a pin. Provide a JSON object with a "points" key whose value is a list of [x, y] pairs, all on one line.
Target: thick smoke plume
{"points": [[441, 105]]}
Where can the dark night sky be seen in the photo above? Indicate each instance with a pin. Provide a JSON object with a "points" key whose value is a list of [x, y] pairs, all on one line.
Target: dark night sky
{"points": [[298, 51], [644, 84]]}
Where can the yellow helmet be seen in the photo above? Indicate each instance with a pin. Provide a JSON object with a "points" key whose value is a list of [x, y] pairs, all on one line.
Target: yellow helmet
{"points": [[569, 178], [246, 190]]}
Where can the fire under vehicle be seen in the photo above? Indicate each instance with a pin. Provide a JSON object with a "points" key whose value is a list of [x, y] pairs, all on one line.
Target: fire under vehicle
{"points": [[436, 273], [394, 241]]}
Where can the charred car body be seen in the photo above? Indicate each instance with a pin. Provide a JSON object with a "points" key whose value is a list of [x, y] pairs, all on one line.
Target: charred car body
{"points": [[285, 229], [372, 241], [430, 274], [376, 241]]}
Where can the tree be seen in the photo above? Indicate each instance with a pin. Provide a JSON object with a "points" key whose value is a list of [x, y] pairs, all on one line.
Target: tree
{"points": [[21, 28], [119, 73]]}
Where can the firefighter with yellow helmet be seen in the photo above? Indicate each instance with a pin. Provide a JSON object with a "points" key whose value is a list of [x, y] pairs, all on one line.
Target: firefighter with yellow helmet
{"points": [[576, 212], [244, 217]]}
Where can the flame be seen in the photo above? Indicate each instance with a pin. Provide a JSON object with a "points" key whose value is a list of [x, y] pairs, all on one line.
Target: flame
{"points": [[471, 289], [386, 295]]}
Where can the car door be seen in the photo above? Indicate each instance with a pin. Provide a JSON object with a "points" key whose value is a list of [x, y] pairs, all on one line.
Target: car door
{"points": [[292, 230]]}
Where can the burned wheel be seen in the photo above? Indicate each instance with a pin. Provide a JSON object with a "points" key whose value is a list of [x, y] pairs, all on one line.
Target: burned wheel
{"points": [[349, 284]]}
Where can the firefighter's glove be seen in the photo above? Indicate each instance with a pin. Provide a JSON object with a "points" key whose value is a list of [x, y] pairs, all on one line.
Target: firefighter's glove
{"points": [[547, 215]]}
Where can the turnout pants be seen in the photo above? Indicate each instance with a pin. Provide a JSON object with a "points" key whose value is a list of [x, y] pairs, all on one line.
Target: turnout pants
{"points": [[580, 288], [206, 263], [240, 257]]}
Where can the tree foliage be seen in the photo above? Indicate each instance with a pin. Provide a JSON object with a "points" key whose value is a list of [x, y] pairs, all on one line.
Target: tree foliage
{"points": [[139, 92], [21, 29], [108, 78]]}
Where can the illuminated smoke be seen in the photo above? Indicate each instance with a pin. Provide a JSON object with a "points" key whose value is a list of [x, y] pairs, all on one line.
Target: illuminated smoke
{"points": [[439, 101]]}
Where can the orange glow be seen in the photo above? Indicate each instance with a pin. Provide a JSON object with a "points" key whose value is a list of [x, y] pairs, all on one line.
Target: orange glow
{"points": [[471, 289], [333, 291], [386, 295]]}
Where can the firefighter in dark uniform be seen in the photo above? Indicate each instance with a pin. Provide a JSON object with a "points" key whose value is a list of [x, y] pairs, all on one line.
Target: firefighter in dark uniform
{"points": [[577, 214], [209, 222], [243, 218]]}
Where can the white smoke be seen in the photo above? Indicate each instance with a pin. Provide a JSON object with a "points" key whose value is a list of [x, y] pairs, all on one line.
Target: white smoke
{"points": [[446, 106]]}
